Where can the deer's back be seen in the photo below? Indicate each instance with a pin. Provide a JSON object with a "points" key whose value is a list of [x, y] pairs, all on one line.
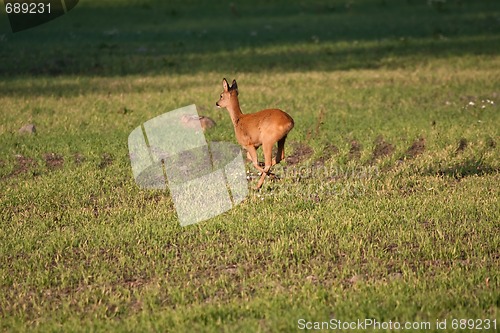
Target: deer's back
{"points": [[268, 125]]}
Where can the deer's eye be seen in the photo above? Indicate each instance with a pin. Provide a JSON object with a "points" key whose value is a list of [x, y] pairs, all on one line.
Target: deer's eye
{"points": [[220, 96]]}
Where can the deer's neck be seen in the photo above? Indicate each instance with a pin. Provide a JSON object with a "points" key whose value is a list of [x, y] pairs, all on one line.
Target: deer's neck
{"points": [[234, 112]]}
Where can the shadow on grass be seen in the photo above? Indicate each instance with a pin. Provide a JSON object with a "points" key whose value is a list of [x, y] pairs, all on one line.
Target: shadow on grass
{"points": [[467, 168], [154, 38]]}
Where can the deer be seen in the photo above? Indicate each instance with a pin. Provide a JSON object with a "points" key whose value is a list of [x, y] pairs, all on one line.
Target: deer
{"points": [[252, 130]]}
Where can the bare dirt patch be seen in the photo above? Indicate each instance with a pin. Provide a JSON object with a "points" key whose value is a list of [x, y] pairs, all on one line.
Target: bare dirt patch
{"points": [[417, 148], [382, 149], [490, 143], [355, 150], [462, 144], [78, 158], [24, 164], [301, 152], [106, 160], [53, 161]]}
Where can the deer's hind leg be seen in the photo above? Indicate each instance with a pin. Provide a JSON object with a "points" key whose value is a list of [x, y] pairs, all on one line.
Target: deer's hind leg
{"points": [[280, 155]]}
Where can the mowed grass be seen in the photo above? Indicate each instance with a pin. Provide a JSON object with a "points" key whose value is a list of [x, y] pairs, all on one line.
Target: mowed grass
{"points": [[387, 207]]}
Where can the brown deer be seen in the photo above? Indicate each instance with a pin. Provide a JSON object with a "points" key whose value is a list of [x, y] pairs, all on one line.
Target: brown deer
{"points": [[263, 128]]}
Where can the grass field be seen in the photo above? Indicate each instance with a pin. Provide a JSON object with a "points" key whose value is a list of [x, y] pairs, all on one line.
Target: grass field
{"points": [[387, 207]]}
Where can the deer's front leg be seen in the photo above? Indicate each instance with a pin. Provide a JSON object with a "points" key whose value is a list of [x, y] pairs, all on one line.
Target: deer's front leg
{"points": [[252, 152]]}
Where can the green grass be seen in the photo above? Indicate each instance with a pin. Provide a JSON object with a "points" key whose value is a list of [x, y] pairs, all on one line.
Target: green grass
{"points": [[370, 223]]}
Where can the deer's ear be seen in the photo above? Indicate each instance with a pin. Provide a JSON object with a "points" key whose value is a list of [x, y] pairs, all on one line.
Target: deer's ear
{"points": [[234, 86], [225, 85]]}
